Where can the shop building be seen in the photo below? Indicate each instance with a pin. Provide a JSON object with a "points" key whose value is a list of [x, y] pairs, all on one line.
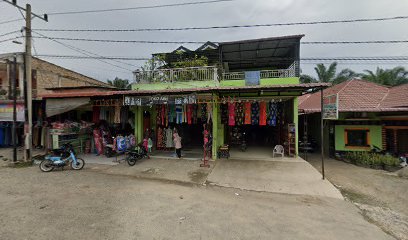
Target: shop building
{"points": [[365, 115]]}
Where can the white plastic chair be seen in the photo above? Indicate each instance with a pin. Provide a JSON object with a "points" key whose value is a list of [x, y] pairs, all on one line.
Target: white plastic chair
{"points": [[278, 150]]}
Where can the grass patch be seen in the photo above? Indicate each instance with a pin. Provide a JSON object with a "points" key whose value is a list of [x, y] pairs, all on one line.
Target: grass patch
{"points": [[22, 164]]}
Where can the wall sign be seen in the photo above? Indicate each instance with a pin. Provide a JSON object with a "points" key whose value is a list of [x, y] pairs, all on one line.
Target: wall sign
{"points": [[252, 78], [159, 99], [6, 112], [331, 107]]}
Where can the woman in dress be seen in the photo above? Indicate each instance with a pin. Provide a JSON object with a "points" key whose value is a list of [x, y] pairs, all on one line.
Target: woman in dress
{"points": [[177, 142]]}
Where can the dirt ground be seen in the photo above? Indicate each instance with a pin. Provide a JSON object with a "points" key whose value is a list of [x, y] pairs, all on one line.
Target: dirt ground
{"points": [[90, 204], [382, 196]]}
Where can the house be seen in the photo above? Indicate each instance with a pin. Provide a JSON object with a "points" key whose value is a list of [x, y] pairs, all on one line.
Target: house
{"points": [[46, 77], [369, 115]]}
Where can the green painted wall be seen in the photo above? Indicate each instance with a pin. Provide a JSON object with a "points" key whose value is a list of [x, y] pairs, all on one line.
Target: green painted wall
{"points": [[203, 84], [175, 85], [375, 136]]}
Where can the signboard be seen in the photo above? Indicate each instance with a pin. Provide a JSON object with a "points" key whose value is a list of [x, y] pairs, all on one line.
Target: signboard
{"points": [[331, 107], [159, 99], [252, 78], [6, 112]]}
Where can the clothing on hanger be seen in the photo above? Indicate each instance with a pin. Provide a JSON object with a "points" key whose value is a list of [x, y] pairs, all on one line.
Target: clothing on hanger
{"points": [[231, 114], [262, 113], [224, 113], [255, 113], [247, 110]]}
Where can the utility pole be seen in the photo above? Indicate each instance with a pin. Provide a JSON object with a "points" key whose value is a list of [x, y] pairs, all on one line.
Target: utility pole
{"points": [[28, 77], [13, 75]]}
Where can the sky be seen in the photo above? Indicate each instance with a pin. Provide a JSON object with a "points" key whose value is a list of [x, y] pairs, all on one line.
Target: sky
{"points": [[237, 12]]}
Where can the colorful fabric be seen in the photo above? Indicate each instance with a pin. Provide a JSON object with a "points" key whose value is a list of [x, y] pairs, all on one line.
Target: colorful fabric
{"points": [[179, 114], [272, 114], [190, 114], [121, 143], [231, 114], [224, 113], [255, 113], [172, 113], [262, 113], [117, 115], [239, 113], [247, 110], [204, 113], [195, 107]]}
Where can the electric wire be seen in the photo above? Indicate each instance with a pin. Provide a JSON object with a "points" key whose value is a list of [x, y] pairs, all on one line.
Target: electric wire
{"points": [[10, 21], [89, 54], [229, 26], [9, 33], [202, 42], [9, 39], [138, 8]]}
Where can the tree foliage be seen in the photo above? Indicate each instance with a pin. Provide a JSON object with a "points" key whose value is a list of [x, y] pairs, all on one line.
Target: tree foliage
{"points": [[120, 83], [389, 77]]}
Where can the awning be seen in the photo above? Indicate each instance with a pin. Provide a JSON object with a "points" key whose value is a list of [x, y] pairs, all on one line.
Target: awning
{"points": [[61, 105]]}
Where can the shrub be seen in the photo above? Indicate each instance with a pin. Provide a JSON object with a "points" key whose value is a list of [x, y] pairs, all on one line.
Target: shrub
{"points": [[371, 159]]}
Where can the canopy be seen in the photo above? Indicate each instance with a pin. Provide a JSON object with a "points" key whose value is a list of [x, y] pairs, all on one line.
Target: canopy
{"points": [[57, 106]]}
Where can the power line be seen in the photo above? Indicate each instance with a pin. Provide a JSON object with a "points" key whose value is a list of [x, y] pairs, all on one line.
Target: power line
{"points": [[87, 53], [229, 26], [89, 57], [9, 33], [202, 42], [10, 21], [138, 8], [9, 39], [124, 41]]}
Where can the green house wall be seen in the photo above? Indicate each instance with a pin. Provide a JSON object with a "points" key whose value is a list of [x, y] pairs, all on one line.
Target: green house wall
{"points": [[375, 135]]}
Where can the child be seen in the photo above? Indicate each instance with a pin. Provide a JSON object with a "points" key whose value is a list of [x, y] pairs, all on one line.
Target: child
{"points": [[177, 142]]}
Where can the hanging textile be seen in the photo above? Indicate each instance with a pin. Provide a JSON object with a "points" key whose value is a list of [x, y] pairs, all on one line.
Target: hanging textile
{"points": [[247, 110], [169, 138], [190, 114], [117, 115], [158, 116], [184, 113], [262, 113], [209, 112], [172, 113], [195, 107], [204, 113], [272, 114], [95, 114], [163, 115], [231, 114], [179, 114], [103, 114], [239, 113], [255, 113], [224, 113]]}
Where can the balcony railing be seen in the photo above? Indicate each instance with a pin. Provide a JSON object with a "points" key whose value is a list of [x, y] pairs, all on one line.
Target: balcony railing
{"points": [[277, 73], [206, 73]]}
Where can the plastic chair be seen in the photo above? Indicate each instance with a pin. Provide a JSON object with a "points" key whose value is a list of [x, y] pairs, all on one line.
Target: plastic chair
{"points": [[278, 150]]}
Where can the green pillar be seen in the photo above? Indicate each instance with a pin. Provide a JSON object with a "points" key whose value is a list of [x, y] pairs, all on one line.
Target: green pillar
{"points": [[138, 124], [216, 120], [296, 121]]}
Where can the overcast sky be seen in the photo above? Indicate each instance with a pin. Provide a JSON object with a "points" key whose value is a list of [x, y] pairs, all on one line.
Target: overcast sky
{"points": [[226, 13]]}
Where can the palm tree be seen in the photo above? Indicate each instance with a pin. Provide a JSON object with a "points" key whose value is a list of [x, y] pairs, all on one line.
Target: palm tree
{"points": [[328, 74], [120, 83], [390, 77]]}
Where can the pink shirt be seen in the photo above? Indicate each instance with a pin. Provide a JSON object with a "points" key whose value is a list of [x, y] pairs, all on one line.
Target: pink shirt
{"points": [[177, 140]]}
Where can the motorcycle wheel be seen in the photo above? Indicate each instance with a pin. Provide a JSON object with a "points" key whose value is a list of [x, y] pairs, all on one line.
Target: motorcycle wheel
{"points": [[131, 160], [46, 166], [79, 165]]}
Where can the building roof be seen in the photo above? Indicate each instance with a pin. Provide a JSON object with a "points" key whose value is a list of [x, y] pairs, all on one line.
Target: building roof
{"points": [[269, 88], [360, 96]]}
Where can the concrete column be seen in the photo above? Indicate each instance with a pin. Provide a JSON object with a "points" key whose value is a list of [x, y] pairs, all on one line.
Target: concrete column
{"points": [[216, 118], [296, 122]]}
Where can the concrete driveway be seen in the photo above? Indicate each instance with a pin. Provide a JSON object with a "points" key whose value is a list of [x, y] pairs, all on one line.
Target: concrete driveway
{"points": [[280, 175]]}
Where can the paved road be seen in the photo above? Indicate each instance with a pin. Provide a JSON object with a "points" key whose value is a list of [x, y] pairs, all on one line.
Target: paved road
{"points": [[90, 204]]}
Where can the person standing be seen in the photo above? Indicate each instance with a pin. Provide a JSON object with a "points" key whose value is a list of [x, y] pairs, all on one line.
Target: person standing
{"points": [[177, 142]]}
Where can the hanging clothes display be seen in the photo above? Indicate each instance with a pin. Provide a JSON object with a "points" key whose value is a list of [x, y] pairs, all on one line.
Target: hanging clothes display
{"points": [[231, 114], [262, 113], [158, 116], [255, 113], [209, 112], [117, 115], [103, 114], [95, 114], [247, 110], [189, 114], [224, 113], [179, 114], [239, 113], [184, 113], [172, 113], [204, 113], [195, 107], [272, 114]]}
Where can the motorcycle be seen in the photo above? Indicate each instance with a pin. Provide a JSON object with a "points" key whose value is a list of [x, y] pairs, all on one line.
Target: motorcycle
{"points": [[132, 156], [59, 158]]}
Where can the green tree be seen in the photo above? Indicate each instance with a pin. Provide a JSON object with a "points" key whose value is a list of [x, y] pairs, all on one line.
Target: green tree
{"points": [[329, 74], [120, 83], [389, 77]]}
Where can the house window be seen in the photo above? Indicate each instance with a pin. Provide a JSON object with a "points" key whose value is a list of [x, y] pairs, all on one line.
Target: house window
{"points": [[357, 137]]}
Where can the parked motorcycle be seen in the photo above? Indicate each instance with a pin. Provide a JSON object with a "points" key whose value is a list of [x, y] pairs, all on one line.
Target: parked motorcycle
{"points": [[59, 158], [132, 156]]}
